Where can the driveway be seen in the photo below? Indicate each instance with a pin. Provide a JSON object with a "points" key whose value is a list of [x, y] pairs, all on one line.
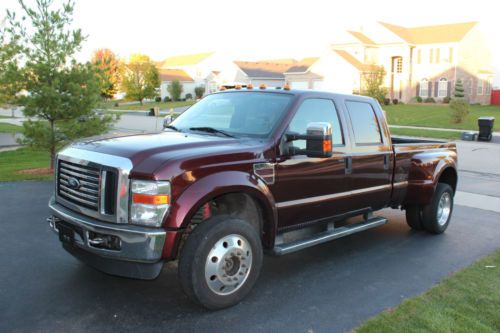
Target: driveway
{"points": [[329, 288]]}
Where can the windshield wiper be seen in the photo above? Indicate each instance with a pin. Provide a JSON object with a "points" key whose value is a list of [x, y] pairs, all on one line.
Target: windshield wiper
{"points": [[211, 130], [172, 127]]}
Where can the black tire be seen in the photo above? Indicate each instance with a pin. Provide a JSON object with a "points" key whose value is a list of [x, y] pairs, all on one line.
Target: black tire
{"points": [[414, 217], [430, 217], [193, 260]]}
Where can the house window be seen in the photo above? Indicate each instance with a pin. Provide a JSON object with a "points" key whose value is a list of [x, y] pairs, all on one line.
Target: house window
{"points": [[469, 87], [450, 58], [443, 87], [431, 56], [438, 55], [419, 56], [424, 88], [480, 87], [399, 65]]}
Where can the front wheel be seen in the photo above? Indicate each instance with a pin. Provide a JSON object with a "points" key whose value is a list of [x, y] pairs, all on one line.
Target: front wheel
{"points": [[220, 262], [436, 215]]}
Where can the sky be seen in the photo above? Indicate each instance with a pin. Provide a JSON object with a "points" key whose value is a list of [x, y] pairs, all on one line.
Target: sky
{"points": [[257, 29]]}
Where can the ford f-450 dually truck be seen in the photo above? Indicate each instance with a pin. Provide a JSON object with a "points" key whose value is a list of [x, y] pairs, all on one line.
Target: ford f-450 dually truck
{"points": [[241, 173]]}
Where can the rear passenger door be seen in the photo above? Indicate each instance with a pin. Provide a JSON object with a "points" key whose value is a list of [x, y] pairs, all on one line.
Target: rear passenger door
{"points": [[369, 166]]}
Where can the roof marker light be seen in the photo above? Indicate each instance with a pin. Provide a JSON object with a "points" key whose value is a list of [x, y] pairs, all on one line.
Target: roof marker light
{"points": [[286, 86], [262, 86], [250, 86]]}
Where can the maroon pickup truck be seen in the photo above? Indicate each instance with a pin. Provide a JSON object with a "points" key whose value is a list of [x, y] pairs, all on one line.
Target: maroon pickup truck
{"points": [[240, 173]]}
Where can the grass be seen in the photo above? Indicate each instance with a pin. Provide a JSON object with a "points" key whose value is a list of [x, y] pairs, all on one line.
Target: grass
{"points": [[145, 106], [467, 301], [5, 117], [426, 133], [13, 161], [9, 128], [437, 115]]}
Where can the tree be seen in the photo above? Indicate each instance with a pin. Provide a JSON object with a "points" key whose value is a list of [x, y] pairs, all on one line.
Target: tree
{"points": [[199, 91], [140, 78], [372, 84], [459, 106], [109, 66], [459, 89], [175, 90], [10, 75], [61, 93]]}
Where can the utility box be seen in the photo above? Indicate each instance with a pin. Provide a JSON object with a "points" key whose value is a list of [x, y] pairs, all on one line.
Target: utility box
{"points": [[485, 128], [469, 136]]}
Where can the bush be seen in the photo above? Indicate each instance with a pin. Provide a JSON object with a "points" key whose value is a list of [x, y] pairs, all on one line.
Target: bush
{"points": [[157, 99], [373, 85], [459, 109], [446, 100], [395, 101], [175, 90], [199, 91], [429, 100], [387, 101], [117, 104], [189, 96], [167, 99], [419, 99]]}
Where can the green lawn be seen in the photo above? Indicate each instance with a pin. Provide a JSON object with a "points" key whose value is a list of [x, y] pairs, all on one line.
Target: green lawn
{"points": [[9, 117], [11, 162], [145, 106], [467, 301], [426, 133], [9, 128], [438, 115]]}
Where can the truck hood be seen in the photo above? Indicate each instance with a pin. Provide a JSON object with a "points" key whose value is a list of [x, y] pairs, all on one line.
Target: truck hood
{"points": [[148, 152]]}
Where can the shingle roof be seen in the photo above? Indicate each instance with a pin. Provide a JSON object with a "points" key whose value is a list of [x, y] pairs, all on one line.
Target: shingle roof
{"points": [[355, 62], [445, 33], [184, 60], [302, 66], [261, 69], [362, 37], [174, 74]]}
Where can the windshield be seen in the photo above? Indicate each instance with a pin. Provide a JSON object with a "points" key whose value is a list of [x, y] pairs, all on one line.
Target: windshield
{"points": [[254, 114]]}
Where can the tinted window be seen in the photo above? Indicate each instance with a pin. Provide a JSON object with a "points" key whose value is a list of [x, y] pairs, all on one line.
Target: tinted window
{"points": [[316, 110], [238, 113], [364, 123]]}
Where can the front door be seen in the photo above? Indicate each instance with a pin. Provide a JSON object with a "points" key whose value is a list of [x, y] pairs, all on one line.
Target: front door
{"points": [[308, 189]]}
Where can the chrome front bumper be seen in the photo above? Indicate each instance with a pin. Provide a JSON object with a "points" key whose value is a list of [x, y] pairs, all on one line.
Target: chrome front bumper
{"points": [[139, 254]]}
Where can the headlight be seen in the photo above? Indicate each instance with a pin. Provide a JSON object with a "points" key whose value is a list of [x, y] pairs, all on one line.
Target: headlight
{"points": [[150, 202]]}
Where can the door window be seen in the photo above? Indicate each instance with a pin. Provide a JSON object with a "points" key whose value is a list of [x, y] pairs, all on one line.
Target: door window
{"points": [[364, 123], [316, 110]]}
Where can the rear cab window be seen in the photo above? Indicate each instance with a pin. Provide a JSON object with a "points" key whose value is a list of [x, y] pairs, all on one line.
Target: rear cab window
{"points": [[364, 123]]}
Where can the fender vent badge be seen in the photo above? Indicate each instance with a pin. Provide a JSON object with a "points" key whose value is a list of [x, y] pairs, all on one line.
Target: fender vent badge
{"points": [[264, 171]]}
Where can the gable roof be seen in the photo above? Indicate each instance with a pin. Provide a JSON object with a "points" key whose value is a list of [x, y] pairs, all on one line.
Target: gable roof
{"points": [[174, 74], [355, 62], [432, 34], [262, 69], [302, 66], [362, 37], [184, 60]]}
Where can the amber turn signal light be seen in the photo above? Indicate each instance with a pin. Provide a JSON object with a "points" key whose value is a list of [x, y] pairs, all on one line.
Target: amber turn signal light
{"points": [[327, 145], [151, 199]]}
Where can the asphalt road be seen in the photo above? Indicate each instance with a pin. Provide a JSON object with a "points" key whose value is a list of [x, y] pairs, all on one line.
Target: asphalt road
{"points": [[329, 288]]}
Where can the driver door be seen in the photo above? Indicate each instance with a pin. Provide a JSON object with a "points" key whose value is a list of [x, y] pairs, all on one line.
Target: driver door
{"points": [[310, 189]]}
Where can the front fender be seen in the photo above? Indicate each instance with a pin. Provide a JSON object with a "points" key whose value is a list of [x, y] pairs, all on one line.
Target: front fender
{"points": [[193, 197]]}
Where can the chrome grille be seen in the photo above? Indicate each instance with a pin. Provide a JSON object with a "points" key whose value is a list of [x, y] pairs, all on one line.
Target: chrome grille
{"points": [[86, 191]]}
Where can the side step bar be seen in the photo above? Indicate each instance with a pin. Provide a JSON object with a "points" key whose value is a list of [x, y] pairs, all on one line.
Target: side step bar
{"points": [[325, 236]]}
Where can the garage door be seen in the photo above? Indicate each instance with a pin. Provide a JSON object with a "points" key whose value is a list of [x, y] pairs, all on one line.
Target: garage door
{"points": [[299, 84], [317, 85]]}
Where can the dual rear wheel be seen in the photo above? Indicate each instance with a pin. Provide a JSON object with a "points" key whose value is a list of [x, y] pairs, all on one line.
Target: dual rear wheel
{"points": [[434, 217]]}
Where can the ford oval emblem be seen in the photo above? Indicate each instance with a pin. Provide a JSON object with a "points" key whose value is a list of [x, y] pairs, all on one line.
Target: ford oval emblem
{"points": [[73, 183]]}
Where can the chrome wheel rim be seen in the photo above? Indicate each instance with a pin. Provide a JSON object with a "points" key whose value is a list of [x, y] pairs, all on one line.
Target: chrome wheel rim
{"points": [[228, 264], [444, 208]]}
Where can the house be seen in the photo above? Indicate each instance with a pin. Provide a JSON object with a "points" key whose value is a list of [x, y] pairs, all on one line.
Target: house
{"points": [[268, 72], [419, 61], [192, 70]]}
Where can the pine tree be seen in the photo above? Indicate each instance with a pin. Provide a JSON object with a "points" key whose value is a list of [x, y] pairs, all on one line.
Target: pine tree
{"points": [[459, 89]]}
